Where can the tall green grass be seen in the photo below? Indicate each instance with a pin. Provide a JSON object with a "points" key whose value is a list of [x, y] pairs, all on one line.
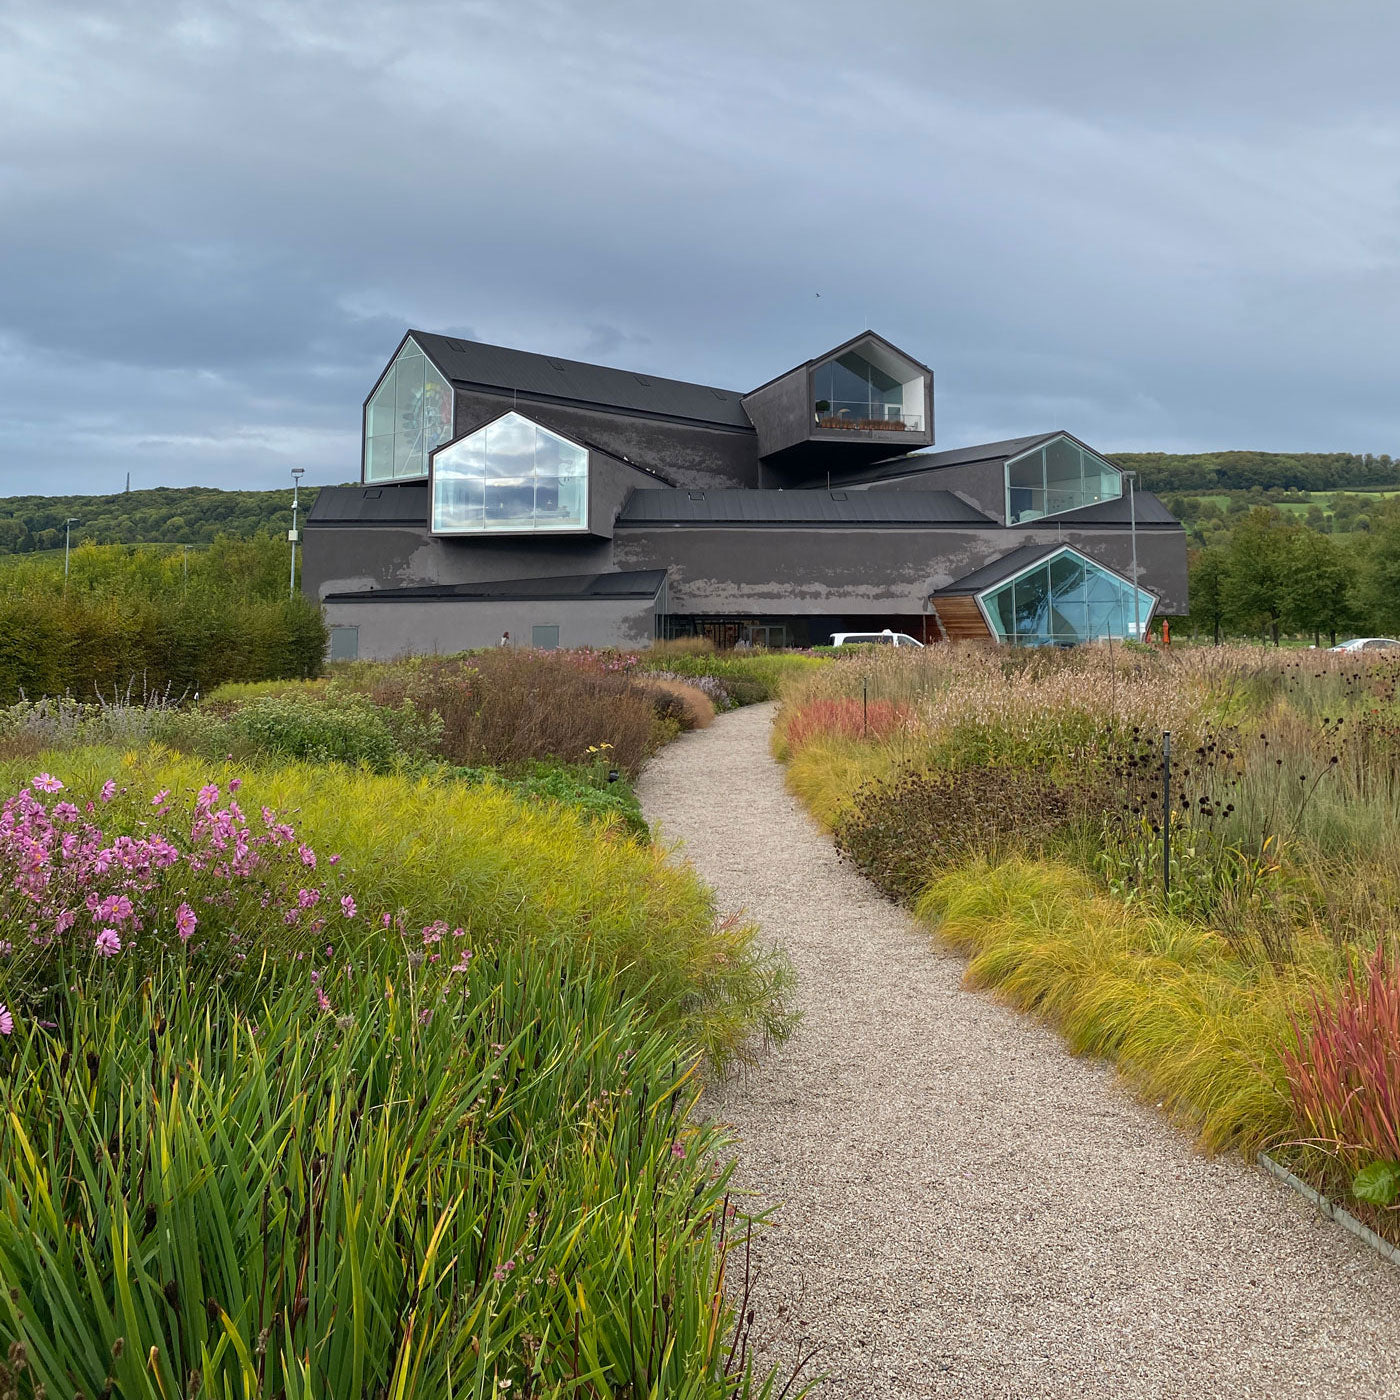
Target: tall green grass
{"points": [[461, 1184]]}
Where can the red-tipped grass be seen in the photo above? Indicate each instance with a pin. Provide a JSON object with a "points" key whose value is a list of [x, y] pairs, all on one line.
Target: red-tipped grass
{"points": [[843, 718], [1345, 1071]]}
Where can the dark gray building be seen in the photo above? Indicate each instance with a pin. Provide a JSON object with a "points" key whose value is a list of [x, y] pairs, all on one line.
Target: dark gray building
{"points": [[575, 505]]}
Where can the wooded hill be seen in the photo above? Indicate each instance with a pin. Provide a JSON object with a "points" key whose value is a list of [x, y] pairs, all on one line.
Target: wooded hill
{"points": [[165, 515], [1206, 472]]}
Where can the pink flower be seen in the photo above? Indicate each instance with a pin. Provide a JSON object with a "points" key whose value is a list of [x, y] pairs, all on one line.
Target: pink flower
{"points": [[678, 1149], [464, 962], [347, 906], [334, 860], [307, 898], [208, 795], [109, 790], [46, 782], [322, 1000], [109, 943], [7, 1022], [161, 798], [186, 921], [308, 856], [234, 784]]}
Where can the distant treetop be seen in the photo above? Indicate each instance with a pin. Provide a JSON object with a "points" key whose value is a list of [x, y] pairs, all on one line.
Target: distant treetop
{"points": [[1240, 471], [165, 515]]}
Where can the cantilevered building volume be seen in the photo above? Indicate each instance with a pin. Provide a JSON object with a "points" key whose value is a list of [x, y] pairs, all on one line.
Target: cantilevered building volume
{"points": [[574, 505]]}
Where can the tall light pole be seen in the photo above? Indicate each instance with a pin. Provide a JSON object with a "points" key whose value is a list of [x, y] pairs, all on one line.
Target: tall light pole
{"points": [[297, 474], [67, 541], [1132, 527]]}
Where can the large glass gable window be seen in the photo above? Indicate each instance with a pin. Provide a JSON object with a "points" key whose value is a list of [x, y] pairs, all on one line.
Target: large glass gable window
{"points": [[1066, 599], [1058, 475], [408, 415], [511, 476], [868, 388]]}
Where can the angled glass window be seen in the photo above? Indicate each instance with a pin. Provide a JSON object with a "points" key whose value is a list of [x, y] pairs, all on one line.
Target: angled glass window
{"points": [[1064, 599], [408, 415], [511, 477], [1058, 475]]}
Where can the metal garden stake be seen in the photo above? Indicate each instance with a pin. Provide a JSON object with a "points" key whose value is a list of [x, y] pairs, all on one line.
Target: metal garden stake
{"points": [[1166, 813]]}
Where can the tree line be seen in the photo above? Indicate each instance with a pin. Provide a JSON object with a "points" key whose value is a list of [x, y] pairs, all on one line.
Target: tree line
{"points": [[1273, 575], [194, 515], [1207, 472]]}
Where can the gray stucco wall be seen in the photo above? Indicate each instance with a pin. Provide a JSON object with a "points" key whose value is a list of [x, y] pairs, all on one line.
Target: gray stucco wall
{"points": [[689, 454], [782, 411], [795, 571], [427, 626]]}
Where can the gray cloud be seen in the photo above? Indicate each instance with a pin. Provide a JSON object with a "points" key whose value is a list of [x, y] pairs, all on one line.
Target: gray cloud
{"points": [[1156, 226]]}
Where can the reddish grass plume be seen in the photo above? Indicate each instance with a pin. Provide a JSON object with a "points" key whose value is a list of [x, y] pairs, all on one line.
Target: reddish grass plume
{"points": [[845, 718], [1345, 1071]]}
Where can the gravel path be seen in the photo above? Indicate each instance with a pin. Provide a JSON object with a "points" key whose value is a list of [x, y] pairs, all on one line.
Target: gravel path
{"points": [[967, 1210]]}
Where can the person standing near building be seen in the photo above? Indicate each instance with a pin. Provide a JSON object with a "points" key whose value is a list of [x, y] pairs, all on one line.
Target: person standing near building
{"points": [[505, 639]]}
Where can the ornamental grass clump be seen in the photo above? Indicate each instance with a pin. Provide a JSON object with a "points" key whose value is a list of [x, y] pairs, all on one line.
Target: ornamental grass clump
{"points": [[1344, 1074]]}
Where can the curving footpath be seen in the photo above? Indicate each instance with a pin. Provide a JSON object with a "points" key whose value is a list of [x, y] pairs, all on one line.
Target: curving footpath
{"points": [[966, 1209]]}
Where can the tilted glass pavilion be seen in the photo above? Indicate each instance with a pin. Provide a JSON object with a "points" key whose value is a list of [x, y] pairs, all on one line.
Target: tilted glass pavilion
{"points": [[1063, 599]]}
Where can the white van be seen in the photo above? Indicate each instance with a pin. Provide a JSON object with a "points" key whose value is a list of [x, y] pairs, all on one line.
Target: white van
{"points": [[885, 638]]}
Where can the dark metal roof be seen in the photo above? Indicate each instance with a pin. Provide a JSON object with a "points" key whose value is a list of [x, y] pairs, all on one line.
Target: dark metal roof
{"points": [[636, 583], [1001, 568], [469, 362], [680, 506], [1150, 512], [371, 505], [916, 462]]}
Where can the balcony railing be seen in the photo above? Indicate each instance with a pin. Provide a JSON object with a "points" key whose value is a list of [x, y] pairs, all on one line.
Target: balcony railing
{"points": [[865, 418]]}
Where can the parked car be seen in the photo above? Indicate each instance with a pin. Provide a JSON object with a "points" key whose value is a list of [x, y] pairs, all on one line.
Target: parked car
{"points": [[1366, 644], [885, 638]]}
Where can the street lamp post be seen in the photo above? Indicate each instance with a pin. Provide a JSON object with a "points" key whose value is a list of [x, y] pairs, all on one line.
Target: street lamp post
{"points": [[67, 542], [1132, 529], [297, 474]]}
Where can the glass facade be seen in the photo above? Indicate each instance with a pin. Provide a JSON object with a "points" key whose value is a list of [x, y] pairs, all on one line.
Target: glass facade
{"points": [[1063, 600], [511, 476], [850, 392], [409, 414], [1058, 475]]}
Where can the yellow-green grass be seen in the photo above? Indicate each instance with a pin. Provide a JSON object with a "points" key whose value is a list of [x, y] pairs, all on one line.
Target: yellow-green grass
{"points": [[1192, 1026], [509, 872], [825, 774]]}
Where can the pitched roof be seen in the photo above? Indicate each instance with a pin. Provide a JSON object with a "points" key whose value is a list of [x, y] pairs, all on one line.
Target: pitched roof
{"points": [[1001, 568], [388, 504], [680, 506], [913, 462], [1119, 511], [636, 583], [472, 363]]}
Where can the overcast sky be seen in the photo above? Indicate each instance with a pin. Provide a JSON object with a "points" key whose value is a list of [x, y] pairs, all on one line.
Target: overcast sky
{"points": [[1158, 226]]}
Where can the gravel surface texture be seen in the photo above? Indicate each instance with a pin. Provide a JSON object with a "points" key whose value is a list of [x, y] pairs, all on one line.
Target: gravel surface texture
{"points": [[965, 1209]]}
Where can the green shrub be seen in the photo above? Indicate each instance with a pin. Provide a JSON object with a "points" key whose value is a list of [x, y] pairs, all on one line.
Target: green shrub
{"points": [[585, 790], [353, 731], [902, 829]]}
